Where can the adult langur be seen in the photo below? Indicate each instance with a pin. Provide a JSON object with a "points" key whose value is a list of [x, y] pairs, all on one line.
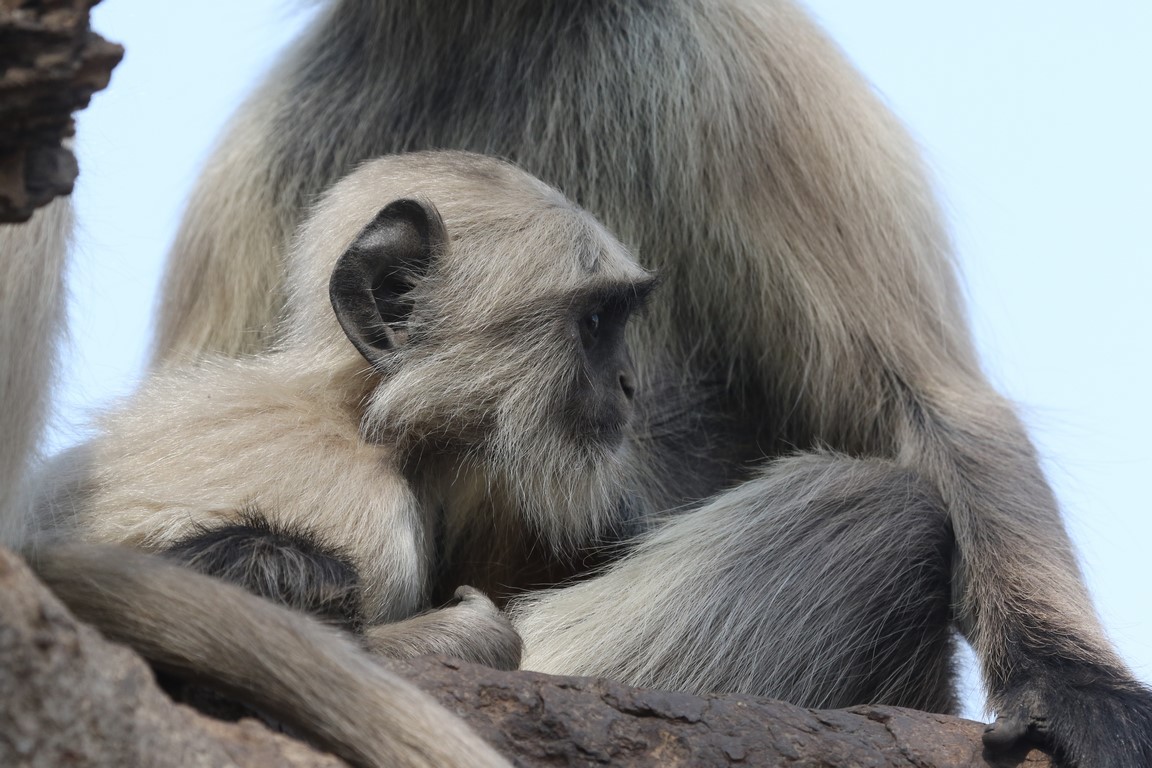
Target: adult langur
{"points": [[809, 294]]}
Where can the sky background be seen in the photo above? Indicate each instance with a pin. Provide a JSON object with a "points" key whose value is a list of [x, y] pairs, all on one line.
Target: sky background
{"points": [[1036, 119]]}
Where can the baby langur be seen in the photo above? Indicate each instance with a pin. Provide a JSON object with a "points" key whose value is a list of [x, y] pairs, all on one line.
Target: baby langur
{"points": [[487, 391]]}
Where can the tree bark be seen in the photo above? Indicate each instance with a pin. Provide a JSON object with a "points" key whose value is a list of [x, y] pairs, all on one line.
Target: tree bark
{"points": [[50, 65], [542, 720]]}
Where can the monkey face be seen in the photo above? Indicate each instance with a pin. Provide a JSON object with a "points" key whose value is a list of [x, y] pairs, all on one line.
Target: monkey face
{"points": [[495, 333], [602, 400], [516, 328]]}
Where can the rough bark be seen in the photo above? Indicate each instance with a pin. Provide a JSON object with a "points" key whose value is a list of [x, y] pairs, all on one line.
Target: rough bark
{"points": [[50, 65], [540, 720], [69, 697]]}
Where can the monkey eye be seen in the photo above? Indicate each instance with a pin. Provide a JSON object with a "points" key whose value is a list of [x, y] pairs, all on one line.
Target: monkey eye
{"points": [[590, 329]]}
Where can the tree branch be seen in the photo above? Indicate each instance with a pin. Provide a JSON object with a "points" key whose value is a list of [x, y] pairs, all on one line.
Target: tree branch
{"points": [[67, 696]]}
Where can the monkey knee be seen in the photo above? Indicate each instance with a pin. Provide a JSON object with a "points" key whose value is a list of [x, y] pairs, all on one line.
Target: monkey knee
{"points": [[909, 529], [833, 488], [292, 568], [864, 527]]}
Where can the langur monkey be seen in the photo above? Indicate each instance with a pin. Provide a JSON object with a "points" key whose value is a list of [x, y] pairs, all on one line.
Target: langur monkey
{"points": [[435, 372], [810, 299], [474, 369], [448, 394]]}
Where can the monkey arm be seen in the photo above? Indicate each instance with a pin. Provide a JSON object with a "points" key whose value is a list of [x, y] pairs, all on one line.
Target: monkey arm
{"points": [[871, 356], [1052, 676]]}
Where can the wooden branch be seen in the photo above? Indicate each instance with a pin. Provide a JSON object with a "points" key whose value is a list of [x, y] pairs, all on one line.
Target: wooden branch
{"points": [[541, 720], [69, 697], [50, 65]]}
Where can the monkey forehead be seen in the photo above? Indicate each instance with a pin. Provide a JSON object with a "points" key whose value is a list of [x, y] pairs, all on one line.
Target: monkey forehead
{"points": [[547, 248], [449, 179], [505, 227]]}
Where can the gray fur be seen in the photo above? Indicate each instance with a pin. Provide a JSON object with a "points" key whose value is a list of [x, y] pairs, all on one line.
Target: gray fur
{"points": [[32, 262], [844, 597], [810, 283]]}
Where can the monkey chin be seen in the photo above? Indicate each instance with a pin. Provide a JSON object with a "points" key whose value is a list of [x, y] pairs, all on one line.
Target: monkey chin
{"points": [[568, 487], [603, 439]]}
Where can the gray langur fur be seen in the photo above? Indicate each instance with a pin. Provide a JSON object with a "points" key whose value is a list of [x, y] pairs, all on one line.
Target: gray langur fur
{"points": [[482, 403], [810, 296], [32, 261], [186, 622]]}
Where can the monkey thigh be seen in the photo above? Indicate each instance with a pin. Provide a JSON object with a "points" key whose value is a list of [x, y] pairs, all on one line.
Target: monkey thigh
{"points": [[824, 581]]}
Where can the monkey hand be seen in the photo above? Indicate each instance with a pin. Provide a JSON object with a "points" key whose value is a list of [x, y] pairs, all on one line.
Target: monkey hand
{"points": [[470, 628], [1089, 718]]}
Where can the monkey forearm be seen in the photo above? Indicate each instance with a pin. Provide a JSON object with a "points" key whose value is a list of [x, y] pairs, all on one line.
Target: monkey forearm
{"points": [[473, 629], [1052, 675], [1016, 576]]}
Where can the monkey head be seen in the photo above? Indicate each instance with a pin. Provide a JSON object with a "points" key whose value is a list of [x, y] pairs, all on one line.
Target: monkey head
{"points": [[493, 324]]}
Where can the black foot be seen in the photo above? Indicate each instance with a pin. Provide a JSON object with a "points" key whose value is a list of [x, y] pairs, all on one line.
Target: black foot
{"points": [[1093, 718]]}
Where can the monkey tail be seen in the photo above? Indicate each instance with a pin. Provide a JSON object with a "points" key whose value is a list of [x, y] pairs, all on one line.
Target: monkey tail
{"points": [[307, 675], [33, 257]]}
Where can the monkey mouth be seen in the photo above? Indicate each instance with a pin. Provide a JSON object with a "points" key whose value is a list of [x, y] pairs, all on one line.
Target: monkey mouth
{"points": [[604, 433]]}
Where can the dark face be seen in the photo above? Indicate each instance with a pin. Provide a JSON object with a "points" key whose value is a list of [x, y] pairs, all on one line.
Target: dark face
{"points": [[605, 388]]}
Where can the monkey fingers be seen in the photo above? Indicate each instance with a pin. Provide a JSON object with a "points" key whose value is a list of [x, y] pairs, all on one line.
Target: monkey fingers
{"points": [[1014, 731], [470, 628]]}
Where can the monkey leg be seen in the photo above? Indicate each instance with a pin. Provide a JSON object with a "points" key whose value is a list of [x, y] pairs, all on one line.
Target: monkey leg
{"points": [[823, 581], [472, 628]]}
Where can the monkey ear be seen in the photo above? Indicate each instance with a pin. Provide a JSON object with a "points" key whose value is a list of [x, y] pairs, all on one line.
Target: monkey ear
{"points": [[371, 284]]}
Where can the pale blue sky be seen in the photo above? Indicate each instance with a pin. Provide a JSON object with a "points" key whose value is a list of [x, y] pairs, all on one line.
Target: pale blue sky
{"points": [[1036, 118]]}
